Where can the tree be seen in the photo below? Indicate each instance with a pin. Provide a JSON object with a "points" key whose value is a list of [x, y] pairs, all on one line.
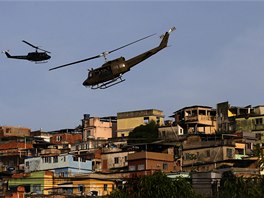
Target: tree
{"points": [[144, 133], [156, 186], [239, 187]]}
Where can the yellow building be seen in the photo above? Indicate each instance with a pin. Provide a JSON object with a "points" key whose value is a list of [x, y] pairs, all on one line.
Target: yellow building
{"points": [[127, 121], [93, 187]]}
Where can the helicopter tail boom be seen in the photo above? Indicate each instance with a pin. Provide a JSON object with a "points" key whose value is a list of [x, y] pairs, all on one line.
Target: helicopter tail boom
{"points": [[7, 54], [165, 38], [163, 44]]}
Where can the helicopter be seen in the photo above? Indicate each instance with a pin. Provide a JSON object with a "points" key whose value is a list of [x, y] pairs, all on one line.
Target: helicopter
{"points": [[37, 57], [110, 73]]}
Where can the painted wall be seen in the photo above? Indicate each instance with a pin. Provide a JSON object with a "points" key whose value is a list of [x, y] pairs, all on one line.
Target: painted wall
{"points": [[64, 165], [37, 182]]}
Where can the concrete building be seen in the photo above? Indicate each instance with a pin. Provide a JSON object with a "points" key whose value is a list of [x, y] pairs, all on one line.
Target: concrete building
{"points": [[114, 159], [41, 135], [251, 123], [13, 131], [202, 156], [40, 182], [66, 138], [98, 128], [13, 153], [196, 119], [127, 121], [226, 115], [93, 187], [64, 165], [151, 161], [170, 132]]}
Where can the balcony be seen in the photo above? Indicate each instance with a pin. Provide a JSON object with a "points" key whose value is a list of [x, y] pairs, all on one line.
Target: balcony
{"points": [[202, 119]]}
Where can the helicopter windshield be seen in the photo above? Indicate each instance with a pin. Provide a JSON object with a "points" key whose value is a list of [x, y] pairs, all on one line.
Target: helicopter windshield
{"points": [[101, 72]]}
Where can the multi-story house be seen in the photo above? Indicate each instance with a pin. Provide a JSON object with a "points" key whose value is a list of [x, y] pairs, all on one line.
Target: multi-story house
{"points": [[40, 182], [226, 115], [208, 155], [170, 132], [12, 131], [253, 122], [114, 159], [127, 121], [93, 187], [98, 128], [13, 152], [45, 136], [66, 138], [90, 150], [150, 158], [196, 119], [64, 165]]}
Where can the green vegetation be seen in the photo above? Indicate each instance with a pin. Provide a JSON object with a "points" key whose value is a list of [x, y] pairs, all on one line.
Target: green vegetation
{"points": [[239, 187], [156, 186], [144, 133]]}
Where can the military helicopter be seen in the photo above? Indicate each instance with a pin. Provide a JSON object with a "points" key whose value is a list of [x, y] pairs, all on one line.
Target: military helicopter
{"points": [[110, 73], [37, 57]]}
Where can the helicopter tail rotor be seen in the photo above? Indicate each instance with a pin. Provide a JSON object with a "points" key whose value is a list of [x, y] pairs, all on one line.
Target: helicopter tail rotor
{"points": [[6, 53], [169, 31], [165, 38], [172, 29]]}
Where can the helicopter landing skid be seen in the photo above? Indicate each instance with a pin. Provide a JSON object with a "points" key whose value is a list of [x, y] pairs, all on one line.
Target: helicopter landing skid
{"points": [[109, 83], [40, 62]]}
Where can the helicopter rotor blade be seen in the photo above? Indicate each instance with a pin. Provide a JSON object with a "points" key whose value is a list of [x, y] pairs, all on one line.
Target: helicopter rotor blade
{"points": [[36, 47], [129, 44], [30, 44], [100, 55], [97, 56]]}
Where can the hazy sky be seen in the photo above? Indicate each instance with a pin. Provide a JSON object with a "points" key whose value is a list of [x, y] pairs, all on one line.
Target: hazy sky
{"points": [[215, 55]]}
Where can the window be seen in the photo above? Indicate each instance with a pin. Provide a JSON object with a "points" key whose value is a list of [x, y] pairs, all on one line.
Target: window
{"points": [[208, 153], [105, 187], [61, 174], [55, 159], [36, 188], [259, 121], [158, 120], [181, 131], [58, 138], [81, 188], [116, 160], [132, 168], [146, 120], [229, 153], [141, 167], [47, 159], [27, 164], [75, 158], [165, 166]]}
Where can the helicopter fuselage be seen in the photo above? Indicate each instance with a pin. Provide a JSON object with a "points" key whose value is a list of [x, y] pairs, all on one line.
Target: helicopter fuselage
{"points": [[38, 56], [112, 70], [108, 71], [32, 56]]}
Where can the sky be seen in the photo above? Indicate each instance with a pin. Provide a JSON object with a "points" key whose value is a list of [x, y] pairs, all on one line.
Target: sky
{"points": [[215, 55]]}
